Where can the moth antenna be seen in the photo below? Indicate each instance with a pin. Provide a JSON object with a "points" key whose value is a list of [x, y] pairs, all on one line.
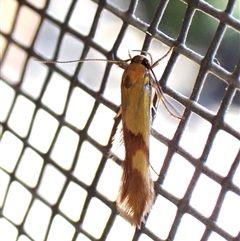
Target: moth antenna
{"points": [[130, 57], [79, 61], [146, 52], [164, 56]]}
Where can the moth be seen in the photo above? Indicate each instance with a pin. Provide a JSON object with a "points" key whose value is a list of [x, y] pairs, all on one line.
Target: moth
{"points": [[136, 193]]}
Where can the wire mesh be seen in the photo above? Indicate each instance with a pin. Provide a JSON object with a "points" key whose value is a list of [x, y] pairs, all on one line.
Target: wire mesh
{"points": [[57, 120]]}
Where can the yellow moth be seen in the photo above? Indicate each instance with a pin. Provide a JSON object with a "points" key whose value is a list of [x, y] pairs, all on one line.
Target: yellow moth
{"points": [[136, 193]]}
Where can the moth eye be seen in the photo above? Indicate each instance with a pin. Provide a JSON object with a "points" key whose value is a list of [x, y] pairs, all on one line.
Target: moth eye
{"points": [[146, 63]]}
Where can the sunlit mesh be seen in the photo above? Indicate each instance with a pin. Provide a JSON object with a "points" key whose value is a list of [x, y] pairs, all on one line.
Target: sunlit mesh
{"points": [[57, 181]]}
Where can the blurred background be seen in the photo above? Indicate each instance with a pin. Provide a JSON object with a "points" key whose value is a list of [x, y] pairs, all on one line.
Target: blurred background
{"points": [[57, 181]]}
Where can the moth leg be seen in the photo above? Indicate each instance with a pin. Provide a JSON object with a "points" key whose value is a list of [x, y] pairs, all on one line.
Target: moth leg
{"points": [[160, 96], [119, 113]]}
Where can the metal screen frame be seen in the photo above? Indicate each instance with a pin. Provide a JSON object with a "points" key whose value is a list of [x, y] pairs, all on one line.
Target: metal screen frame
{"points": [[207, 63]]}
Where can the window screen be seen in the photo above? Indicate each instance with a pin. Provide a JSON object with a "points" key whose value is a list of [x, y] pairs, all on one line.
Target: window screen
{"points": [[57, 180]]}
